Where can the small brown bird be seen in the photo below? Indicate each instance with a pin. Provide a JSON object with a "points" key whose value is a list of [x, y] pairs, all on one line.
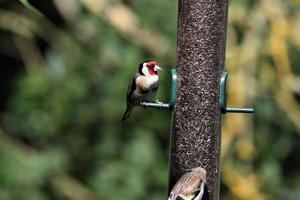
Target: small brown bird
{"points": [[190, 186], [143, 86]]}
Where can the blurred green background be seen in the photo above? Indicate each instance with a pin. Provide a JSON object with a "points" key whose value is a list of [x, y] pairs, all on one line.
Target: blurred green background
{"points": [[63, 81]]}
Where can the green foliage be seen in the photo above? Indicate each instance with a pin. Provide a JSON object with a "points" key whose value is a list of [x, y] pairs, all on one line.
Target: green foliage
{"points": [[29, 6], [67, 114], [61, 135]]}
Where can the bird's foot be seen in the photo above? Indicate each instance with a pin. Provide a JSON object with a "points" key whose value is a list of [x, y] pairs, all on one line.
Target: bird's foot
{"points": [[143, 103], [159, 102]]}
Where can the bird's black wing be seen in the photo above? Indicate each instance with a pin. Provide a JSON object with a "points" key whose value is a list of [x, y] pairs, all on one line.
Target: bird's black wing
{"points": [[131, 88]]}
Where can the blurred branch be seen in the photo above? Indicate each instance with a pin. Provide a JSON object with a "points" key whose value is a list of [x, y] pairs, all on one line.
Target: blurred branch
{"points": [[29, 26], [294, 84], [25, 28], [61, 182], [67, 8], [7, 142], [30, 54], [21, 25], [127, 23], [30, 7], [71, 189], [295, 30]]}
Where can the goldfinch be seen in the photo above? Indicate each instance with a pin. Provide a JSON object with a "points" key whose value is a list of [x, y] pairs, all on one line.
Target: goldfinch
{"points": [[190, 186], [143, 86]]}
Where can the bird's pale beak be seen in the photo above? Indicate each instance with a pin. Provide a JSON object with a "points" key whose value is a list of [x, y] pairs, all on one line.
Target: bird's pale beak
{"points": [[157, 68]]}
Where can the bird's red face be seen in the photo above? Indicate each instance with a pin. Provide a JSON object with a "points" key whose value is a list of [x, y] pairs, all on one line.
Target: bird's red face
{"points": [[152, 67]]}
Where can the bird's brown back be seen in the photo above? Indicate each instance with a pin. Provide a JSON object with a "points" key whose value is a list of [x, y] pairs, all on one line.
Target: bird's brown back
{"points": [[187, 184]]}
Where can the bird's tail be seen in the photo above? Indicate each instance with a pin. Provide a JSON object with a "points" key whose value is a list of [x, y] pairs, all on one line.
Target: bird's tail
{"points": [[127, 112]]}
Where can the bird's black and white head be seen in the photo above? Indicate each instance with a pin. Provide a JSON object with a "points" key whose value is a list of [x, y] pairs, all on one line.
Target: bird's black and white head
{"points": [[199, 169], [149, 68]]}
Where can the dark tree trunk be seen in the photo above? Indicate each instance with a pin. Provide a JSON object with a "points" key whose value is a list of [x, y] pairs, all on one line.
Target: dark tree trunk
{"points": [[196, 120]]}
